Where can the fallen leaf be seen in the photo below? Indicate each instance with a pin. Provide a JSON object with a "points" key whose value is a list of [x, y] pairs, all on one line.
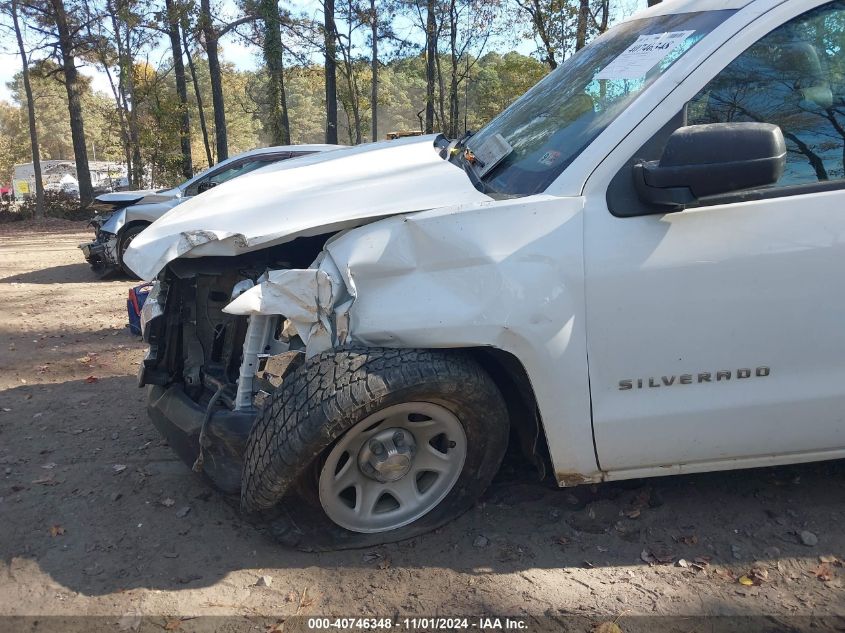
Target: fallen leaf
{"points": [[823, 572], [656, 557], [688, 539], [118, 468], [745, 580], [633, 514], [607, 627], [759, 574], [57, 530], [725, 574], [91, 379]]}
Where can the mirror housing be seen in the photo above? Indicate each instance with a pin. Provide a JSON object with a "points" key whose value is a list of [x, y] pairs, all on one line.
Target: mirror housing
{"points": [[708, 160], [206, 185]]}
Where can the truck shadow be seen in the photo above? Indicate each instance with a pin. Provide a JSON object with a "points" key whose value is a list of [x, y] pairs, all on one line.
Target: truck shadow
{"points": [[97, 501]]}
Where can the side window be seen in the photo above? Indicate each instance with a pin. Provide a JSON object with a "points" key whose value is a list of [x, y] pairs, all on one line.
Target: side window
{"points": [[234, 170], [794, 77], [242, 168], [227, 173]]}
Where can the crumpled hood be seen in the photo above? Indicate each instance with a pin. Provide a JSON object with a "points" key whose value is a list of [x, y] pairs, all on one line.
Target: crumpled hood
{"points": [[315, 194]]}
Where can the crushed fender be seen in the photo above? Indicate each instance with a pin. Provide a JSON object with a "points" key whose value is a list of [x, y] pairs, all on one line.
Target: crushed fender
{"points": [[315, 300]]}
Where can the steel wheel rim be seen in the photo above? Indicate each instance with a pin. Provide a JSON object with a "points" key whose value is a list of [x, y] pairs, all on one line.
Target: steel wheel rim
{"points": [[359, 501]]}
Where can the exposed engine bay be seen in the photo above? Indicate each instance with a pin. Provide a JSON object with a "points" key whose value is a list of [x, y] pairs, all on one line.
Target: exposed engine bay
{"points": [[199, 360]]}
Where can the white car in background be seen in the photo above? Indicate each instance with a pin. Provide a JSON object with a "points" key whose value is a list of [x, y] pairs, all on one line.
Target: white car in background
{"points": [[120, 216]]}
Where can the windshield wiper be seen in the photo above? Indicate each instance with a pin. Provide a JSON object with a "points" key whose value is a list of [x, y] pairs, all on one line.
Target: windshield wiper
{"points": [[461, 142], [457, 153], [454, 145], [474, 178]]}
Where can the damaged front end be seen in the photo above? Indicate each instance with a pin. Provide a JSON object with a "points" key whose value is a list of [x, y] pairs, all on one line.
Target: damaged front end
{"points": [[103, 252], [218, 345], [328, 256]]}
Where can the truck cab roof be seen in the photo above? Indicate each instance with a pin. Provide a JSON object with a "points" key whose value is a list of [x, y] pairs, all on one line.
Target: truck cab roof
{"points": [[669, 7]]}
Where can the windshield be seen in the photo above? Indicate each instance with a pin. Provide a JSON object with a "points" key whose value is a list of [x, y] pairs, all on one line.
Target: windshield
{"points": [[525, 148]]}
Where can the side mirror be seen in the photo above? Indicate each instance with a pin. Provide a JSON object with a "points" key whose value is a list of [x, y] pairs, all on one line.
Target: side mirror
{"points": [[713, 159], [205, 185]]}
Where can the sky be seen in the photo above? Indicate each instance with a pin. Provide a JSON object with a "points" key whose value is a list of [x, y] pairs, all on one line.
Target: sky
{"points": [[243, 57], [231, 49]]}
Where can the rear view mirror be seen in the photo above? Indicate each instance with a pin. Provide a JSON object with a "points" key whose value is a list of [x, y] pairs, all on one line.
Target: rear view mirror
{"points": [[713, 159], [206, 185]]}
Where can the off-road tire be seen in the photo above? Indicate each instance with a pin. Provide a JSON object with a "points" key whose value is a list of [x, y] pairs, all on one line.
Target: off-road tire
{"points": [[125, 239], [327, 396]]}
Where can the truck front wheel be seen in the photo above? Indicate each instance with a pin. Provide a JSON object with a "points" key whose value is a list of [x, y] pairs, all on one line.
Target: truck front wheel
{"points": [[368, 446]]}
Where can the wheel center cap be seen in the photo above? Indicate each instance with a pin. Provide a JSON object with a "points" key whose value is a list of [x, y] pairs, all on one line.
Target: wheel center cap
{"points": [[388, 455], [394, 468]]}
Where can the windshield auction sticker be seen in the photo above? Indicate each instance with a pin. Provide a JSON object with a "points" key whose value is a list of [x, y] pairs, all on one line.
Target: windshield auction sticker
{"points": [[491, 153], [643, 55]]}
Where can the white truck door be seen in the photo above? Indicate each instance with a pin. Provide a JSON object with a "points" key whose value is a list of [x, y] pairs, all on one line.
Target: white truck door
{"points": [[716, 335]]}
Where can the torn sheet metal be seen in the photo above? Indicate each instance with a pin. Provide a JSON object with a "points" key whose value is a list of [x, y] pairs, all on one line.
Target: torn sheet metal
{"points": [[307, 298], [313, 195]]}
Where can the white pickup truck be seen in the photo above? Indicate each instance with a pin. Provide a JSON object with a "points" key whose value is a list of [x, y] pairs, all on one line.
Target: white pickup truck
{"points": [[635, 270]]}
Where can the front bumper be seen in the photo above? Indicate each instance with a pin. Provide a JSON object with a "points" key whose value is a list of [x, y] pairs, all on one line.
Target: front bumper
{"points": [[93, 251], [102, 252], [179, 419]]}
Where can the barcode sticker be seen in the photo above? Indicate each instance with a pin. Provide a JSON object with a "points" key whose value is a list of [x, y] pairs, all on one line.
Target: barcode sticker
{"points": [[643, 55], [491, 152]]}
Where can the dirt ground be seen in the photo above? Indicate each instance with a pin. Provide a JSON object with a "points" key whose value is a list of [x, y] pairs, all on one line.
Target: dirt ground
{"points": [[97, 517]]}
